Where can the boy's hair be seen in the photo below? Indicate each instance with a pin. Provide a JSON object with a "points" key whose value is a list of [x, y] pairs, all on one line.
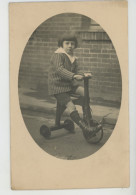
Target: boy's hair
{"points": [[67, 37]]}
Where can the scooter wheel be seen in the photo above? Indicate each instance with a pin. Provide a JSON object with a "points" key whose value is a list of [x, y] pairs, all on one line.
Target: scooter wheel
{"points": [[69, 125], [45, 131], [96, 138]]}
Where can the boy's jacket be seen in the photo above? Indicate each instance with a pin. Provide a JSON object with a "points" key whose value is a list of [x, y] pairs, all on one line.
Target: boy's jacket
{"points": [[61, 72]]}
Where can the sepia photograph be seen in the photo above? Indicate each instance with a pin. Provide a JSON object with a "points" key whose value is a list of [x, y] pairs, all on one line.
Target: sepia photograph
{"points": [[69, 95], [70, 86]]}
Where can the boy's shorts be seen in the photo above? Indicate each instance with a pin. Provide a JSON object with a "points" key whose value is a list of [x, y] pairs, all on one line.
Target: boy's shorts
{"points": [[64, 98]]}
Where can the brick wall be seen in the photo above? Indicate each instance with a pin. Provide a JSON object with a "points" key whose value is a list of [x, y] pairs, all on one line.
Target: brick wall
{"points": [[95, 52]]}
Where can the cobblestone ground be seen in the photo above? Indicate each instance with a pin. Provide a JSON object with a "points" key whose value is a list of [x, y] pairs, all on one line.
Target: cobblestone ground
{"points": [[62, 144]]}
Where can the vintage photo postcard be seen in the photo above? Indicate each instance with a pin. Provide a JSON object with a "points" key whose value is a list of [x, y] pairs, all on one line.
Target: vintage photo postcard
{"points": [[69, 95]]}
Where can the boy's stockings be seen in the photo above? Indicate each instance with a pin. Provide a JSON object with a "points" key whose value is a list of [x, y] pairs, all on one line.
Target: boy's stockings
{"points": [[76, 118]]}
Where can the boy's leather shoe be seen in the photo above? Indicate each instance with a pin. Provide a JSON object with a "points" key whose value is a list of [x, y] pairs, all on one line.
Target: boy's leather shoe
{"points": [[92, 132]]}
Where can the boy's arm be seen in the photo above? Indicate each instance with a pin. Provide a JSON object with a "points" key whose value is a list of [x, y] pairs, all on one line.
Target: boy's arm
{"points": [[60, 69]]}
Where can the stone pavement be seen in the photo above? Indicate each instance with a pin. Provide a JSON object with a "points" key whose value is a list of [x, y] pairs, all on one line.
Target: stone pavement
{"points": [[36, 101]]}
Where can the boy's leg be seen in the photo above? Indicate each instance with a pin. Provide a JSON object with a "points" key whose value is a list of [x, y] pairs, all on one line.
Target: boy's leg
{"points": [[65, 100], [75, 116], [80, 91], [87, 131]]}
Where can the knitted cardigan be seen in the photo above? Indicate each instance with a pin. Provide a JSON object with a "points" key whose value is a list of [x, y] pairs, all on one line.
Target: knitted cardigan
{"points": [[60, 74]]}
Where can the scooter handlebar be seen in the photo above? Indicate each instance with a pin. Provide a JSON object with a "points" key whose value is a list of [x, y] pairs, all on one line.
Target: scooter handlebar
{"points": [[83, 76]]}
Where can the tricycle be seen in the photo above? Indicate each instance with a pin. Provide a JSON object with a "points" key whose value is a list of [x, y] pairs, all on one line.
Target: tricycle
{"points": [[68, 124]]}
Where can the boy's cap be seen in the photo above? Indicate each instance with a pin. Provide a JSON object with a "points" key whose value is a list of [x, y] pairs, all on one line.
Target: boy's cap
{"points": [[67, 37]]}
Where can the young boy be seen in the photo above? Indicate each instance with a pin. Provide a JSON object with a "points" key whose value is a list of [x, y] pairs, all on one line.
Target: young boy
{"points": [[63, 72]]}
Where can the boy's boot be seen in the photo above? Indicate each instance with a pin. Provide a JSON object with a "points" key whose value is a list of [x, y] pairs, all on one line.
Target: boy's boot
{"points": [[76, 118], [88, 133]]}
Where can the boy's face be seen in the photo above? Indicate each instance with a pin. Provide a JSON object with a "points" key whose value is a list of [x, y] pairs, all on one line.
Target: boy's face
{"points": [[69, 46]]}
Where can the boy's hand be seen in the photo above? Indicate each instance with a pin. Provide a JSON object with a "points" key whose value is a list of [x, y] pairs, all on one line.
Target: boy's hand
{"points": [[88, 74], [78, 77]]}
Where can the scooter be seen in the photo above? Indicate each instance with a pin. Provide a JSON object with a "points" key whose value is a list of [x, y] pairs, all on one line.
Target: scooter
{"points": [[68, 124]]}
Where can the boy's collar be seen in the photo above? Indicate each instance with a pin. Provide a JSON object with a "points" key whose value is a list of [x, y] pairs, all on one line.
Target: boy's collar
{"points": [[61, 50]]}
